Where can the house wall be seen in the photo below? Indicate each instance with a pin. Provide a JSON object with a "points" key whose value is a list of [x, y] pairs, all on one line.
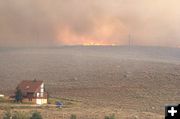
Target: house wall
{"points": [[42, 88], [27, 100], [36, 101], [41, 101], [40, 91]]}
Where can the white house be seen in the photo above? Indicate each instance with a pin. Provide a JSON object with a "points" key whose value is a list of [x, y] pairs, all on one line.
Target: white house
{"points": [[33, 91]]}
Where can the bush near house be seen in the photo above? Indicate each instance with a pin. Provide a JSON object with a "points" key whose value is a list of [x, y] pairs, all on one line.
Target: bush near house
{"points": [[18, 95], [2, 99], [21, 115], [7, 114], [73, 116], [110, 117], [36, 115]]}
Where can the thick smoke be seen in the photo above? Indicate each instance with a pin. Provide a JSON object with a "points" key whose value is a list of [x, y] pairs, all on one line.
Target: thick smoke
{"points": [[103, 22]]}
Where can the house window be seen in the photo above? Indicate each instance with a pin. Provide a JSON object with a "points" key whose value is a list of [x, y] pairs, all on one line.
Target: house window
{"points": [[37, 94], [42, 90], [41, 94]]}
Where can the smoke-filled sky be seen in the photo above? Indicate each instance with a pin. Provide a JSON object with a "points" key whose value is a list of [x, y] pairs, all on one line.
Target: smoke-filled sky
{"points": [[89, 22]]}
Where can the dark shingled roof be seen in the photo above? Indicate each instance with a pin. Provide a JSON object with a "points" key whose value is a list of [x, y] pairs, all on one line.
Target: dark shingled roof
{"points": [[29, 86]]}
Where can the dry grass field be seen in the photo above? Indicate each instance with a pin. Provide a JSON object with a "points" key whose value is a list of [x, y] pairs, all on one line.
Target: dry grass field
{"points": [[132, 83]]}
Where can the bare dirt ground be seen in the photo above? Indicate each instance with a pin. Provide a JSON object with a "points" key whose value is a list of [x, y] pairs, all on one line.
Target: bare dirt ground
{"points": [[132, 83]]}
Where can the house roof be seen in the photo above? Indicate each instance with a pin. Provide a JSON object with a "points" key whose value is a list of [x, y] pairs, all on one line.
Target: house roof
{"points": [[29, 86]]}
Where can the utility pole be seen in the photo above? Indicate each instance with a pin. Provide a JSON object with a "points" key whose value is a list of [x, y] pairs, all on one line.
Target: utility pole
{"points": [[130, 40]]}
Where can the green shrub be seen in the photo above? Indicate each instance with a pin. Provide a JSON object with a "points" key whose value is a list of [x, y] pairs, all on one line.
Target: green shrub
{"points": [[2, 99], [110, 117], [18, 95], [36, 115], [7, 114], [73, 116], [20, 115]]}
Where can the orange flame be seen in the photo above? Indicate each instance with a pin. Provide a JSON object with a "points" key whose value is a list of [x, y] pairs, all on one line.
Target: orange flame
{"points": [[104, 33]]}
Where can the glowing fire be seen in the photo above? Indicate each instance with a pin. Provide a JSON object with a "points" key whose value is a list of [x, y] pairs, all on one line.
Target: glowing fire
{"points": [[103, 33], [96, 44]]}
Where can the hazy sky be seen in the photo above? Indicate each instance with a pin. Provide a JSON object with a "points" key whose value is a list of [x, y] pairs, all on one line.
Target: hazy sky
{"points": [[73, 22]]}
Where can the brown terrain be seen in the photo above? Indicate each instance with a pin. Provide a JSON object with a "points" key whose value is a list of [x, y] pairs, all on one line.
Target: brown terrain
{"points": [[132, 83]]}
